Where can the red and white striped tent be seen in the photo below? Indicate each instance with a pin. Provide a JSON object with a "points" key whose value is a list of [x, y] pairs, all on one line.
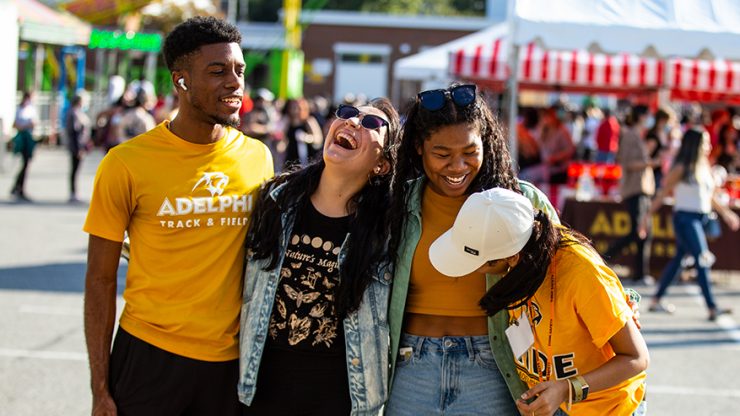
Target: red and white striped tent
{"points": [[486, 62], [704, 80]]}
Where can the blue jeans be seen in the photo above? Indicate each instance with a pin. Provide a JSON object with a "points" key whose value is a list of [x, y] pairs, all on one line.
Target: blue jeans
{"points": [[605, 157], [690, 238], [450, 376]]}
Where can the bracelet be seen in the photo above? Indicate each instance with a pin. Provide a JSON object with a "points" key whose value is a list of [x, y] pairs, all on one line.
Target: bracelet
{"points": [[570, 395], [577, 389]]}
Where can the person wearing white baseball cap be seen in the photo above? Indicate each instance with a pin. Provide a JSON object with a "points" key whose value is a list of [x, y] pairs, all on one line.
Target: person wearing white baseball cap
{"points": [[506, 218], [572, 331]]}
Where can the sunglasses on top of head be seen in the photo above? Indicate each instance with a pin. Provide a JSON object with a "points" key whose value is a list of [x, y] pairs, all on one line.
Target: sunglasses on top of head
{"points": [[461, 95], [368, 121]]}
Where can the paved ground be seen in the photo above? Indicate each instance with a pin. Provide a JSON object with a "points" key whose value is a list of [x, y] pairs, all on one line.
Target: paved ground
{"points": [[43, 368]]}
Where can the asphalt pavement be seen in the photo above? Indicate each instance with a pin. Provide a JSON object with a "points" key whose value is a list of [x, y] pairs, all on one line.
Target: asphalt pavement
{"points": [[43, 363]]}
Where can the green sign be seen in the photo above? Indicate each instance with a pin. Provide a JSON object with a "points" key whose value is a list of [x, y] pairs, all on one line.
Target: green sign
{"points": [[103, 39], [286, 73]]}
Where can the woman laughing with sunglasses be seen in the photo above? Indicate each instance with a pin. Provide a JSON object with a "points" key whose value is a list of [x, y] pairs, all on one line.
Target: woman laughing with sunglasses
{"points": [[447, 355], [314, 331]]}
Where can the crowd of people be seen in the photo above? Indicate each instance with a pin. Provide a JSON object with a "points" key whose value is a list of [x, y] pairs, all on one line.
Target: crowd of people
{"points": [[302, 258], [554, 136]]}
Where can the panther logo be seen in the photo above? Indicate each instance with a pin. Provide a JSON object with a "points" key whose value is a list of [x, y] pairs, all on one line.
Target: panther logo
{"points": [[214, 182]]}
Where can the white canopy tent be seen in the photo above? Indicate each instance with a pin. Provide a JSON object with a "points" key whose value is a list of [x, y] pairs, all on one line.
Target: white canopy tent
{"points": [[658, 28], [686, 28]]}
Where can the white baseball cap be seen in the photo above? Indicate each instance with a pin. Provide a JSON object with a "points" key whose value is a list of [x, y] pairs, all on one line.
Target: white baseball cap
{"points": [[491, 225]]}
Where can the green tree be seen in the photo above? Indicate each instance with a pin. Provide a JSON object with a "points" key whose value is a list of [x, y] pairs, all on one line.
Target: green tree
{"points": [[267, 10]]}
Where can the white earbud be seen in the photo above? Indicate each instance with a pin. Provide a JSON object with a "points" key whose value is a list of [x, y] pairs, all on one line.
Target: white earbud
{"points": [[181, 82]]}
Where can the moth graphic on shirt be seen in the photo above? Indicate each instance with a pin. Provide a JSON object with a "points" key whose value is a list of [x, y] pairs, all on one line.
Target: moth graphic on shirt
{"points": [[300, 297]]}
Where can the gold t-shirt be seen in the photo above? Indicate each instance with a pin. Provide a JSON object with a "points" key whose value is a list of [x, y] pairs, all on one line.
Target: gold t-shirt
{"points": [[185, 207], [431, 292], [589, 307]]}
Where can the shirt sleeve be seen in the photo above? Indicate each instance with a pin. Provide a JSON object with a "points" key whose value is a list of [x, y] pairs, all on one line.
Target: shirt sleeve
{"points": [[599, 296], [113, 200], [539, 200]]}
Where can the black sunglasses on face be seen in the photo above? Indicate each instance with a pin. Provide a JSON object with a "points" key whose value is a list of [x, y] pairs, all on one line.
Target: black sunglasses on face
{"points": [[461, 95], [368, 121]]}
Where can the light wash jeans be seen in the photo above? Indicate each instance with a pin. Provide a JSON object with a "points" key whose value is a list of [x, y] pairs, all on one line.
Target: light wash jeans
{"points": [[448, 376], [690, 239]]}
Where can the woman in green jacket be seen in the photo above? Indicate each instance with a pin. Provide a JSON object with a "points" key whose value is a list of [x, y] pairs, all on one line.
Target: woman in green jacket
{"points": [[447, 355]]}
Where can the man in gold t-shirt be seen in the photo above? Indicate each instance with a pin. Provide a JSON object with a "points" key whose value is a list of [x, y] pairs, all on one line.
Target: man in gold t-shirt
{"points": [[183, 192]]}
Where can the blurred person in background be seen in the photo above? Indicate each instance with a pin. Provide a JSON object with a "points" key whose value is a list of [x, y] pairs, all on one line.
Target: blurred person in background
{"points": [[637, 188], [303, 136], [107, 125], [166, 108], [607, 138], [77, 128], [556, 150], [137, 119], [657, 142], [556, 146], [319, 108], [575, 123], [725, 152], [695, 196], [26, 118], [528, 148], [717, 119], [261, 123], [592, 120]]}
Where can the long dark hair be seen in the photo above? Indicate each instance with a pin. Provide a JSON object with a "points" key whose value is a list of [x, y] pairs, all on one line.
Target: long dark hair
{"points": [[523, 280], [689, 153], [496, 170], [367, 225]]}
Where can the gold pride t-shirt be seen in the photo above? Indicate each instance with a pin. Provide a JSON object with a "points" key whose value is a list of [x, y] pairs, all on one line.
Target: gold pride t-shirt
{"points": [[185, 207], [589, 308]]}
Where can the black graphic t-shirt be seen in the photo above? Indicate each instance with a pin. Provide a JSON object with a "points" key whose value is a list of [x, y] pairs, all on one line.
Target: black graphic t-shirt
{"points": [[304, 317]]}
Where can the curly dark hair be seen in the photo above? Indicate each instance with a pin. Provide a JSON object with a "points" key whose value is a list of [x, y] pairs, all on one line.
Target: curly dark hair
{"points": [[187, 37], [368, 219], [496, 170]]}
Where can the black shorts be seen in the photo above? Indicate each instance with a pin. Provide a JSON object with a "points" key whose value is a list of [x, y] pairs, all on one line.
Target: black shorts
{"points": [[292, 383], [146, 380]]}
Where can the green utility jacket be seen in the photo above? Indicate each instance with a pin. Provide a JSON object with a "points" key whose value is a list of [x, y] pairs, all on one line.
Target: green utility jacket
{"points": [[496, 324]]}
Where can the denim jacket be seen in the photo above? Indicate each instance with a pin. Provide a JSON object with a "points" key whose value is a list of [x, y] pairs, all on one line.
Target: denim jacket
{"points": [[497, 324], [366, 329]]}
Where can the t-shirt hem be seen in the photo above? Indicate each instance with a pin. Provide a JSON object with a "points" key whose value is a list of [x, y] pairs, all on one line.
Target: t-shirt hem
{"points": [[155, 339]]}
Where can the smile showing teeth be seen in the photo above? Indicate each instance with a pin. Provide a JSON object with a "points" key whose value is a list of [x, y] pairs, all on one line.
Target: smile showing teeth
{"points": [[456, 180], [232, 100], [345, 141]]}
